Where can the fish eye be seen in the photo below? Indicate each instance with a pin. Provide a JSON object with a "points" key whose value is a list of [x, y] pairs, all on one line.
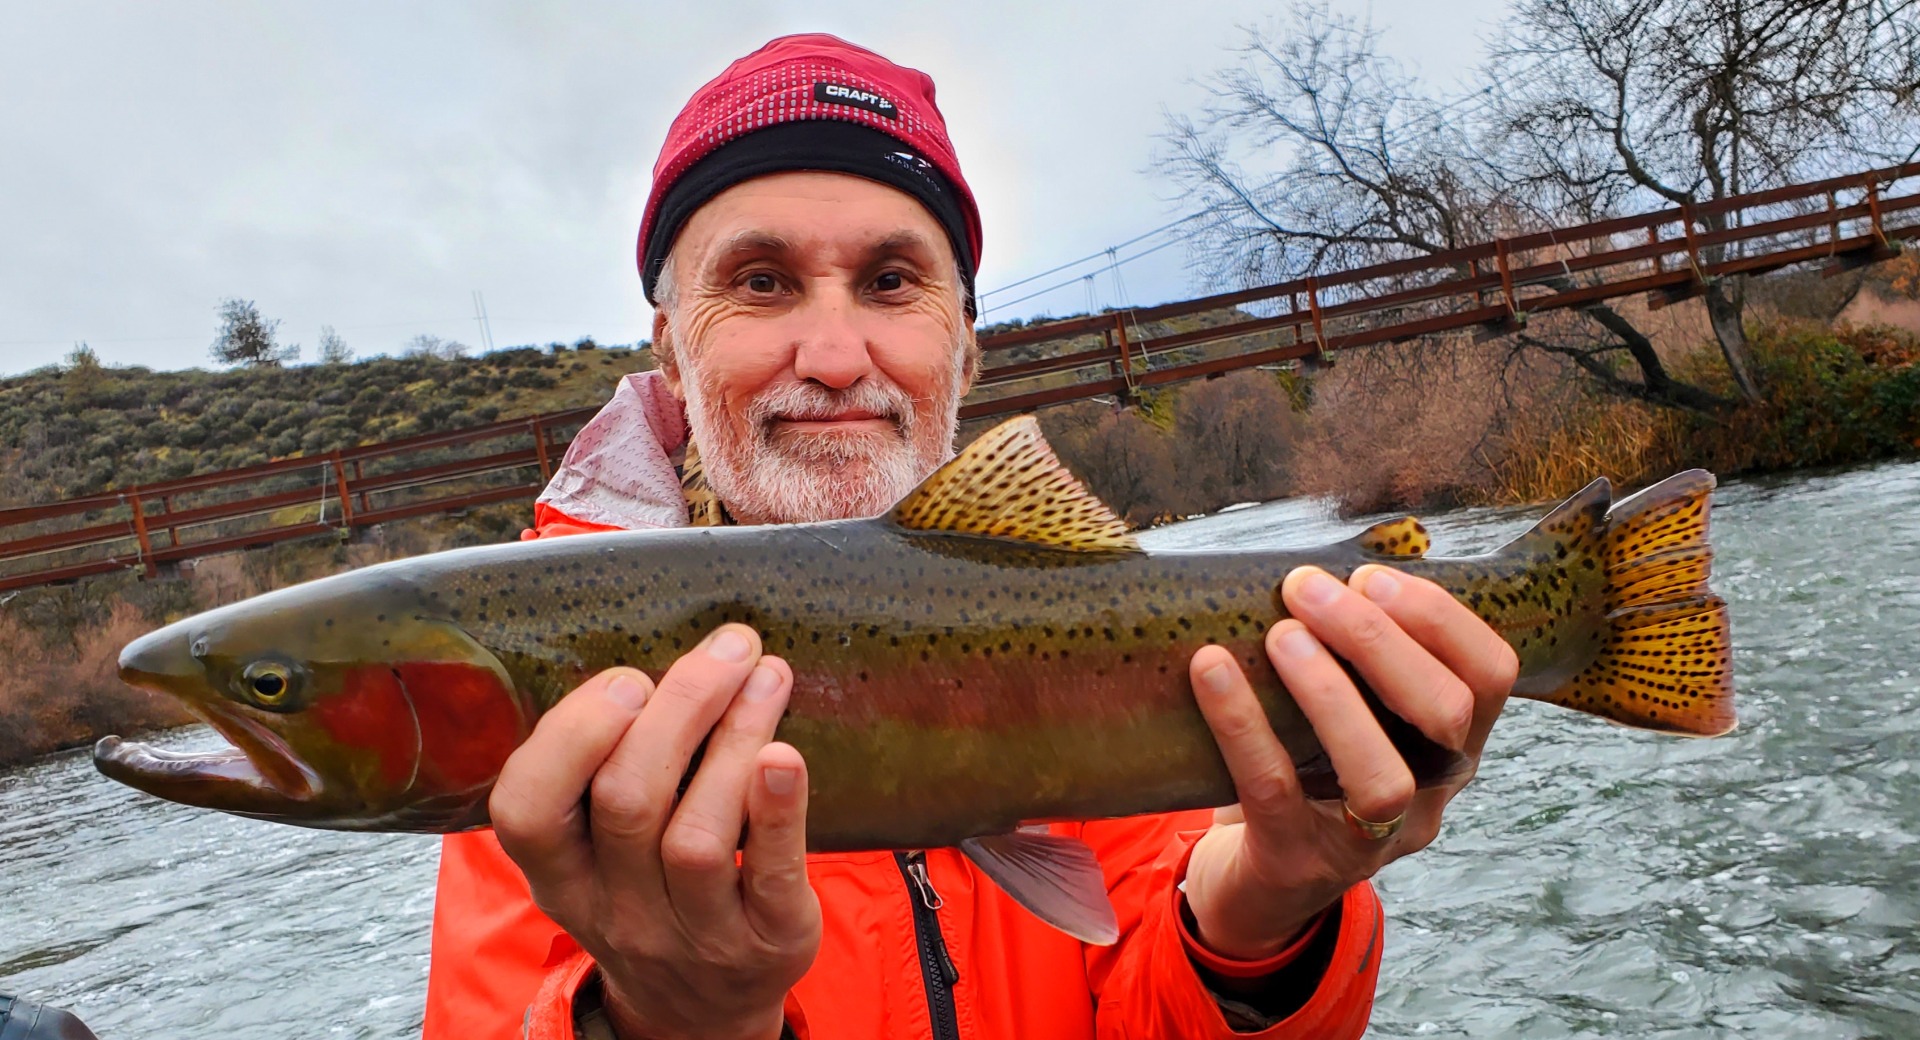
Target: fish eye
{"points": [[267, 683]]}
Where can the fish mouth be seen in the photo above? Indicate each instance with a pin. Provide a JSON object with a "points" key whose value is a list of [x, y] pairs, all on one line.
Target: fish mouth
{"points": [[258, 774], [235, 779]]}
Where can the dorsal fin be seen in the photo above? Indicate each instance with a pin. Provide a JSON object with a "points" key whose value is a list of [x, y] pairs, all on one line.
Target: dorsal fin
{"points": [[1402, 539], [1008, 484]]}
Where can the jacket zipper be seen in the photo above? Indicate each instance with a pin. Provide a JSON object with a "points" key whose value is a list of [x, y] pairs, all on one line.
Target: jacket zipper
{"points": [[936, 967]]}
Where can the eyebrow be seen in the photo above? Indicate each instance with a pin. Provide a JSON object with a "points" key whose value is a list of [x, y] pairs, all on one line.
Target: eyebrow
{"points": [[903, 242], [752, 242]]}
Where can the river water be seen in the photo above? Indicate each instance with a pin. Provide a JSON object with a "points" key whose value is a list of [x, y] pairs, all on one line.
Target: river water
{"points": [[1593, 881]]}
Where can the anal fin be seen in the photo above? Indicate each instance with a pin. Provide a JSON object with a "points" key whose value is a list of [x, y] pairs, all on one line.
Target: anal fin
{"points": [[1057, 879]]}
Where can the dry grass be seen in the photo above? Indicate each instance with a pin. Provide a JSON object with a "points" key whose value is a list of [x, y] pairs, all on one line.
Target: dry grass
{"points": [[1409, 425], [62, 696], [1628, 442]]}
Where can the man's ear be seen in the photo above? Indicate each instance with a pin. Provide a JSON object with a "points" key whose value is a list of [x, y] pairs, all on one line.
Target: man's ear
{"points": [[665, 352], [971, 370]]}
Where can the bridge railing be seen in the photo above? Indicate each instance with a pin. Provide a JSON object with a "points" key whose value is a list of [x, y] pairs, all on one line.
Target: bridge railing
{"points": [[149, 526], [1669, 255]]}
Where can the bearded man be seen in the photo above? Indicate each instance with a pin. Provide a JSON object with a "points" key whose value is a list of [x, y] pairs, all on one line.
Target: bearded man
{"points": [[810, 245]]}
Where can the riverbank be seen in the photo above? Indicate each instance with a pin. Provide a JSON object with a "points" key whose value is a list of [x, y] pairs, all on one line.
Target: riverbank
{"points": [[1478, 428]]}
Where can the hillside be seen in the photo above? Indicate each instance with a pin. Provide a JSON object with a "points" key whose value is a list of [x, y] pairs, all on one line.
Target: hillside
{"points": [[84, 428]]}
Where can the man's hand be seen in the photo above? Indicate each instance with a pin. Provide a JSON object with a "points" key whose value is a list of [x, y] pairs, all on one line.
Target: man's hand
{"points": [[1275, 861], [689, 944]]}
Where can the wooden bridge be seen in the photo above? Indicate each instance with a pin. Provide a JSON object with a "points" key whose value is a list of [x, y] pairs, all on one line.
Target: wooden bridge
{"points": [[1668, 256]]}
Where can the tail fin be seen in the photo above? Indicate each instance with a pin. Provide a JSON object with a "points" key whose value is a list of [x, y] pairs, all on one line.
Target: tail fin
{"points": [[1665, 658]]}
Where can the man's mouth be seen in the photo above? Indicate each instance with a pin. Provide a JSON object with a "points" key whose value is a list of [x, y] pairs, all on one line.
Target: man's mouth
{"points": [[846, 420]]}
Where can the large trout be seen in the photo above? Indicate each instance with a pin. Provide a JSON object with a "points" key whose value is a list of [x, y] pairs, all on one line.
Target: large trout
{"points": [[996, 650]]}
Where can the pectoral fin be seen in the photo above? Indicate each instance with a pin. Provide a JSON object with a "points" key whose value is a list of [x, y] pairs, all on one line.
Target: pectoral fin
{"points": [[1057, 879]]}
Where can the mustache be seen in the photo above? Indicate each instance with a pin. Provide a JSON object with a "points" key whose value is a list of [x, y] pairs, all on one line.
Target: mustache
{"points": [[811, 401]]}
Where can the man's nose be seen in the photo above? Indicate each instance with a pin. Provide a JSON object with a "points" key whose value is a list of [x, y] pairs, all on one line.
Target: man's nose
{"points": [[832, 348]]}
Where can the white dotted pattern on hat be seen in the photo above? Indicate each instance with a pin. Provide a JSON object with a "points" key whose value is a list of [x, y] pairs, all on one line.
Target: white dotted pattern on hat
{"points": [[782, 94]]}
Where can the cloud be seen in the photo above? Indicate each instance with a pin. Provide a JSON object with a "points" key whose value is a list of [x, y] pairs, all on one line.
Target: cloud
{"points": [[369, 165]]}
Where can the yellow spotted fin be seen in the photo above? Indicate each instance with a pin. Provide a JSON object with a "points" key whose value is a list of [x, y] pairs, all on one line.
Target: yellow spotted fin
{"points": [[1665, 659], [1402, 539], [1009, 484]]}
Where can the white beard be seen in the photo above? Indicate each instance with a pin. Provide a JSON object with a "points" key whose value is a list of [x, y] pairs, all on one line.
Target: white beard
{"points": [[798, 478]]}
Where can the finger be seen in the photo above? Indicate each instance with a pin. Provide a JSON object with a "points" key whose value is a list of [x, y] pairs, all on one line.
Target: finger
{"points": [[1408, 679], [780, 904], [1262, 771], [633, 794], [536, 803], [1463, 643], [697, 850], [1375, 779]]}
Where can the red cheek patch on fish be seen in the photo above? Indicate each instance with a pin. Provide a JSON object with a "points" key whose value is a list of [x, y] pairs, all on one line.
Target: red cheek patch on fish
{"points": [[370, 714], [469, 722]]}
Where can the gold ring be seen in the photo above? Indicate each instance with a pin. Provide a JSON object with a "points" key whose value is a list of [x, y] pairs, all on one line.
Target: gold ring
{"points": [[1370, 830]]}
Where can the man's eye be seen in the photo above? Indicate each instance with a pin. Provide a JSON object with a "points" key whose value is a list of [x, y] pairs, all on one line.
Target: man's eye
{"points": [[890, 282], [762, 283]]}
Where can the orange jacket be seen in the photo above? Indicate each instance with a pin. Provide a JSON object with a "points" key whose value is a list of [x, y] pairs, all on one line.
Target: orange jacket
{"points": [[978, 967]]}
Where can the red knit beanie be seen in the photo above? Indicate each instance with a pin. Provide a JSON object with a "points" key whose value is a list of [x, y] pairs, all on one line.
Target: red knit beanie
{"points": [[858, 110]]}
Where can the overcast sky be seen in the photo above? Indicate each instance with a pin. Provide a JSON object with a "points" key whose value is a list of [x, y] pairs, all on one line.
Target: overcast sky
{"points": [[371, 165]]}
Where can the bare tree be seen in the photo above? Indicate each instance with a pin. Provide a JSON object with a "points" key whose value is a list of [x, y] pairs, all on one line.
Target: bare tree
{"points": [[1373, 167], [248, 339], [428, 345], [1637, 103], [1124, 460], [333, 350], [1372, 172], [1245, 423]]}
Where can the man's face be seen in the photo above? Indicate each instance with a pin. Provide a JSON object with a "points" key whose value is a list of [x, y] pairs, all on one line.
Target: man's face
{"points": [[816, 332]]}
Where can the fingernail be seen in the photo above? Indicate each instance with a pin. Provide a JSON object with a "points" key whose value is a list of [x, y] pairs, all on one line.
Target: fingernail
{"points": [[1319, 589], [627, 691], [1380, 586], [1297, 642], [729, 645], [762, 684], [1216, 679], [780, 779]]}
